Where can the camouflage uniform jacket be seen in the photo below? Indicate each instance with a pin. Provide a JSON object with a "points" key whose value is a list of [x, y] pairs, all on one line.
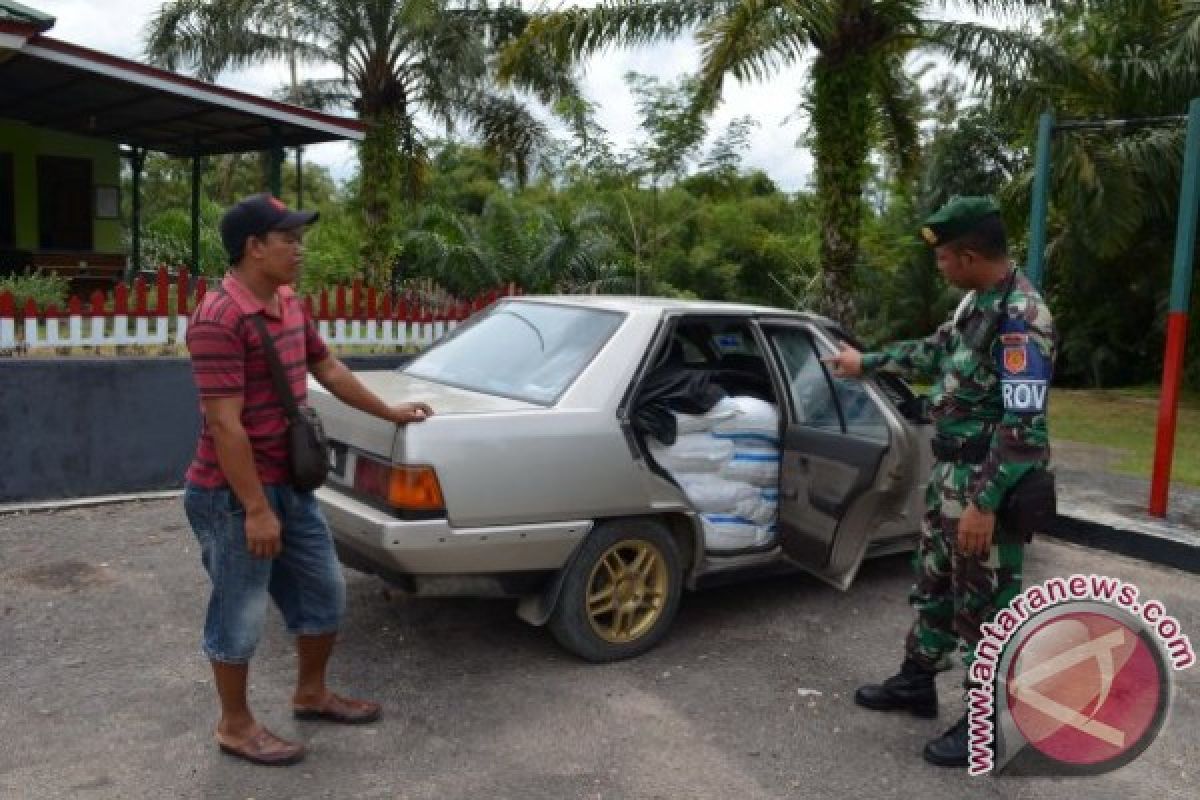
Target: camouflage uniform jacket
{"points": [[989, 374]]}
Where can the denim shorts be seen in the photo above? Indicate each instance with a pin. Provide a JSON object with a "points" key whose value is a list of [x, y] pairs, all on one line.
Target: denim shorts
{"points": [[305, 579]]}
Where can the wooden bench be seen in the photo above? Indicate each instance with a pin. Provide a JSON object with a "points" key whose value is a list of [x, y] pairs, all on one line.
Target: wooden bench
{"points": [[85, 272]]}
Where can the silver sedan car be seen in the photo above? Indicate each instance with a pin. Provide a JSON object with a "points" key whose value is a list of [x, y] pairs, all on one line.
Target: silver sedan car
{"points": [[538, 476]]}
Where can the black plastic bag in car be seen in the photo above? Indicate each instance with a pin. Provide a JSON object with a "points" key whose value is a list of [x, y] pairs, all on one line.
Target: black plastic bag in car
{"points": [[673, 388]]}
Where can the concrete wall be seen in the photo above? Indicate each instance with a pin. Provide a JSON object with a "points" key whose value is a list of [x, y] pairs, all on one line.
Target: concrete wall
{"points": [[85, 427]]}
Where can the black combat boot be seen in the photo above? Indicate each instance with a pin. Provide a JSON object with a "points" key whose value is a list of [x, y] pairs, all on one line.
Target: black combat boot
{"points": [[951, 749], [911, 689]]}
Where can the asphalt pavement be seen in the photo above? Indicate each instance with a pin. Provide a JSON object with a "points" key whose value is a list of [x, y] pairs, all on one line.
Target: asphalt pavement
{"points": [[107, 696]]}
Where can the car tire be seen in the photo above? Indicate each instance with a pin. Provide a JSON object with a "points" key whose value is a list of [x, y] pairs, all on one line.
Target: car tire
{"points": [[631, 569]]}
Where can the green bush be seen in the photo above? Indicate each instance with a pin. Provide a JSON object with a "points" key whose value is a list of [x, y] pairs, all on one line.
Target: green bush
{"points": [[44, 290]]}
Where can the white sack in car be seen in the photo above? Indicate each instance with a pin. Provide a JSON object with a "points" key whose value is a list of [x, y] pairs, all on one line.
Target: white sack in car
{"points": [[761, 508], [692, 452], [754, 424], [729, 532], [710, 493], [755, 467], [723, 411], [766, 534]]}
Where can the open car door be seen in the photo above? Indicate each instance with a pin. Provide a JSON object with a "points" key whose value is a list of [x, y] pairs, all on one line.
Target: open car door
{"points": [[834, 443]]}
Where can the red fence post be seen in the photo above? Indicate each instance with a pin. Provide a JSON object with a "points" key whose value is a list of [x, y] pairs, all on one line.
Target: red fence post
{"points": [[181, 294], [161, 302], [141, 297], [339, 302], [121, 300]]}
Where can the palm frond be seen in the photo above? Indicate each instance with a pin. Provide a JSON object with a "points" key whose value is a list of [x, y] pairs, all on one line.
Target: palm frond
{"points": [[207, 37], [1013, 9], [1105, 203], [507, 129], [569, 36], [995, 57], [755, 40], [319, 95]]}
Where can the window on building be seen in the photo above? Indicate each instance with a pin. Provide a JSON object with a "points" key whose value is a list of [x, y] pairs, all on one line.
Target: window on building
{"points": [[64, 203], [8, 205]]}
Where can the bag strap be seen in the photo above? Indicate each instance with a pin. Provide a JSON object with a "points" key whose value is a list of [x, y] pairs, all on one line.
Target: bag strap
{"points": [[1010, 284], [282, 387]]}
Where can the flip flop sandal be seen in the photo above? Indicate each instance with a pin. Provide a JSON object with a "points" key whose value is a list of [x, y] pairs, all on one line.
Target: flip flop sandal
{"points": [[265, 749], [343, 711]]}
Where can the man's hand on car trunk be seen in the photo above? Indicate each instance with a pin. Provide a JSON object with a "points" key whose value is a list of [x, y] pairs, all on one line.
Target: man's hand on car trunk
{"points": [[410, 412]]}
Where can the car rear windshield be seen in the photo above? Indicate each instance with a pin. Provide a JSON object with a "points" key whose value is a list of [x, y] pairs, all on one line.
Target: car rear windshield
{"points": [[525, 350]]}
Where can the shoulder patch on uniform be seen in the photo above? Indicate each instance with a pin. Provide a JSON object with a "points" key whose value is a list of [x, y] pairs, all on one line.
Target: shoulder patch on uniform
{"points": [[1015, 360], [1024, 370]]}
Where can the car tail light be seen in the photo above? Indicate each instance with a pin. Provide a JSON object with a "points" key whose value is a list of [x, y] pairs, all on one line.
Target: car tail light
{"points": [[402, 487]]}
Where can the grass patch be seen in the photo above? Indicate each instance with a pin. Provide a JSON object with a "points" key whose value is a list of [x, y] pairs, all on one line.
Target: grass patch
{"points": [[1127, 419]]}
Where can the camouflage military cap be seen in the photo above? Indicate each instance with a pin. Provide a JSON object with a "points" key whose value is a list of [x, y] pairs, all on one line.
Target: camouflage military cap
{"points": [[956, 218]]}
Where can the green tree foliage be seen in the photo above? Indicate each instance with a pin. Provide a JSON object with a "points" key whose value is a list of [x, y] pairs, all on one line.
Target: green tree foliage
{"points": [[398, 59], [678, 214], [166, 197], [1114, 195], [858, 91]]}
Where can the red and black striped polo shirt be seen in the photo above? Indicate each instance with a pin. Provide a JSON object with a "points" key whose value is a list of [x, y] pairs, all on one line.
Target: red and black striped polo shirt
{"points": [[228, 359]]}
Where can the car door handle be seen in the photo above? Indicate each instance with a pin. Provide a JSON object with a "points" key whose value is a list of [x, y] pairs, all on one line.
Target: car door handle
{"points": [[790, 494]]}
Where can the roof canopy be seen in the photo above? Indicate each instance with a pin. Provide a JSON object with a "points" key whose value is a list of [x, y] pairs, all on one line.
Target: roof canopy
{"points": [[53, 84], [15, 11]]}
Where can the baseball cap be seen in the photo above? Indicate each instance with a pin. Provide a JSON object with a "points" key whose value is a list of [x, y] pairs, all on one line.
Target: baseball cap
{"points": [[255, 216]]}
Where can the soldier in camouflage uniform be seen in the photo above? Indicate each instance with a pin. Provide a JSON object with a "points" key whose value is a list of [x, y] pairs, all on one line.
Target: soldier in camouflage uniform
{"points": [[990, 365]]}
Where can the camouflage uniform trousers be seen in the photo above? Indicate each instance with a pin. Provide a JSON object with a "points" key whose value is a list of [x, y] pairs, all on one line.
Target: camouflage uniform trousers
{"points": [[955, 594]]}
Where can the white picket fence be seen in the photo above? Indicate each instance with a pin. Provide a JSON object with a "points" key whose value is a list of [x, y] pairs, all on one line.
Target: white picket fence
{"points": [[346, 317]]}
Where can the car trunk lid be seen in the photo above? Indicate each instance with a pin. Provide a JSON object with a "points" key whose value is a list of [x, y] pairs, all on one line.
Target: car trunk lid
{"points": [[346, 426]]}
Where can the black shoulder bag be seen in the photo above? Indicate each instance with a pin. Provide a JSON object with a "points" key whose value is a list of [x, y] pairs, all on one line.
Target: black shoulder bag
{"points": [[1029, 506], [308, 450]]}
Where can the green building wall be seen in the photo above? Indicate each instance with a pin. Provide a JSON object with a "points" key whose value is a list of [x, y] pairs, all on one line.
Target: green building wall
{"points": [[26, 143]]}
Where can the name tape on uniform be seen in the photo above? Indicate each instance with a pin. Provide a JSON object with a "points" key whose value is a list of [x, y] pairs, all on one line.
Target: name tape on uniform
{"points": [[1026, 396]]}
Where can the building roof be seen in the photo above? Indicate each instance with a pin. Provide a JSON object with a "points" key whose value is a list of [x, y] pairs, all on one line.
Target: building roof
{"points": [[19, 13], [53, 84]]}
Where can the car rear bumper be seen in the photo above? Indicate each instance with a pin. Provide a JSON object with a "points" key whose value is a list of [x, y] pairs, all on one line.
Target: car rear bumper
{"points": [[369, 537]]}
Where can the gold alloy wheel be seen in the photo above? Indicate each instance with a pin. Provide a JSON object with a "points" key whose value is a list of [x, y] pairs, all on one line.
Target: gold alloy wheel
{"points": [[627, 591]]}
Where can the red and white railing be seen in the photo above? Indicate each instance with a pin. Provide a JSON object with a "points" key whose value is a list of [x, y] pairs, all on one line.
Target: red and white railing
{"points": [[345, 316]]}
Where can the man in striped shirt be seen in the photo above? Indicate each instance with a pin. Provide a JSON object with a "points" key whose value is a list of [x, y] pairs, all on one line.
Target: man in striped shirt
{"points": [[258, 536]]}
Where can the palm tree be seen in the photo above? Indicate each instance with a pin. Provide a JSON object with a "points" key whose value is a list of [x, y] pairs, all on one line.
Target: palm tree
{"points": [[536, 248], [399, 58], [1114, 192], [858, 92]]}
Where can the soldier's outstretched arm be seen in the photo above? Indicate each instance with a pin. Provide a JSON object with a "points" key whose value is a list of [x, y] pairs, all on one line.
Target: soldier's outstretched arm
{"points": [[915, 358]]}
